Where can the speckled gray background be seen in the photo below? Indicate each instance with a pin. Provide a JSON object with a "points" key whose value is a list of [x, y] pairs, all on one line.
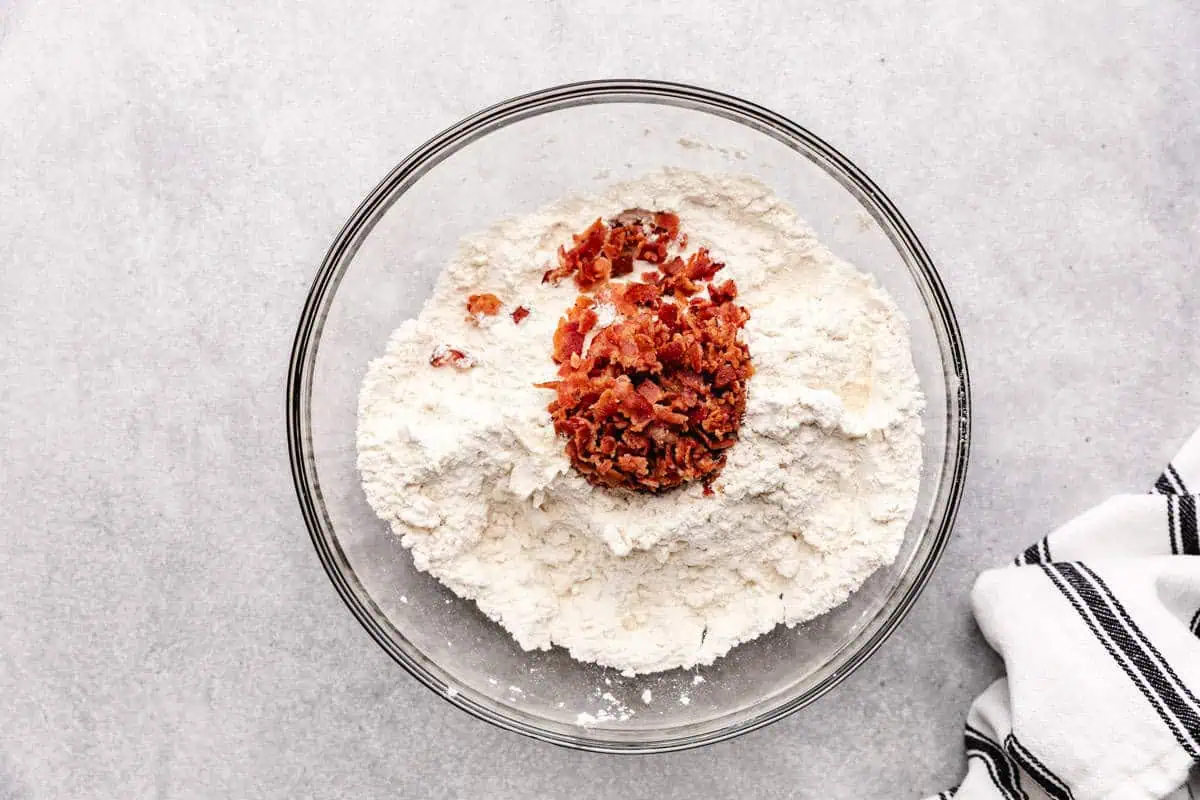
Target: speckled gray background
{"points": [[170, 175]]}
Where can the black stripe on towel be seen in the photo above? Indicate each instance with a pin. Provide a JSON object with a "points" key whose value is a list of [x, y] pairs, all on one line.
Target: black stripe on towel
{"points": [[1118, 654], [1174, 473], [1163, 485], [1051, 784], [1174, 539], [1195, 626], [1189, 538], [1036, 553], [1128, 637], [1001, 768], [1193, 707]]}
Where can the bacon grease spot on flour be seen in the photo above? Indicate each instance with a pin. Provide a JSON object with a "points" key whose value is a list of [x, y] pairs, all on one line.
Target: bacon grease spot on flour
{"points": [[465, 466]]}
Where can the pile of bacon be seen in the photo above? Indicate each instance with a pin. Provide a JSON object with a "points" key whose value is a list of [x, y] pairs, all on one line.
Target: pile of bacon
{"points": [[654, 399]]}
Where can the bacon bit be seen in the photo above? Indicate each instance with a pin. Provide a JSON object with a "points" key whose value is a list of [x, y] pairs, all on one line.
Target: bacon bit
{"points": [[519, 313], [650, 390], [725, 376], [708, 490], [568, 341], [584, 314], [653, 251], [620, 249], [628, 297], [444, 356], [594, 272], [684, 279], [487, 305], [667, 222], [641, 294], [634, 465], [586, 247], [723, 292], [700, 267]]}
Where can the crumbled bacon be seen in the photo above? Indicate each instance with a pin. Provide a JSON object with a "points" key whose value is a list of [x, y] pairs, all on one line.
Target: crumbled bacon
{"points": [[586, 247], [609, 250], [444, 356], [568, 342], [657, 397], [487, 305], [722, 292], [519, 313], [667, 222]]}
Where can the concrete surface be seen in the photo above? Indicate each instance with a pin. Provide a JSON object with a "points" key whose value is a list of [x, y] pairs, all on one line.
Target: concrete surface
{"points": [[170, 175]]}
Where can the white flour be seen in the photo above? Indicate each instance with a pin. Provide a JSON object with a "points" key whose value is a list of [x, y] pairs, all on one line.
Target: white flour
{"points": [[465, 466]]}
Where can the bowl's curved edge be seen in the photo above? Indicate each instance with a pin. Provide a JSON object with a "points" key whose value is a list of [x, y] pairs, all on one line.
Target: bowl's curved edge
{"points": [[428, 155]]}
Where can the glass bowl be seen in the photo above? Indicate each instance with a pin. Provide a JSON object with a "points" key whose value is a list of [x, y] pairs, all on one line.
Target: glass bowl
{"points": [[511, 159]]}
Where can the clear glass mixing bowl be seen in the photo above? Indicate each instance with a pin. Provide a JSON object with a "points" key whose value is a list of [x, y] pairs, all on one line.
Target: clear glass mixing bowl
{"points": [[511, 159]]}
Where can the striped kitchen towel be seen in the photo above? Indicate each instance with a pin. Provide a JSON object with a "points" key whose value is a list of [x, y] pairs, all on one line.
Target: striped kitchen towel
{"points": [[1099, 628]]}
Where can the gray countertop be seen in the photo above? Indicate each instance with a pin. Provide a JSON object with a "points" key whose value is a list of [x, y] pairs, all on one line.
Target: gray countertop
{"points": [[172, 172]]}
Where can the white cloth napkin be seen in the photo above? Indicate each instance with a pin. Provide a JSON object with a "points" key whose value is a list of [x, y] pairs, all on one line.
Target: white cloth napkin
{"points": [[1099, 628]]}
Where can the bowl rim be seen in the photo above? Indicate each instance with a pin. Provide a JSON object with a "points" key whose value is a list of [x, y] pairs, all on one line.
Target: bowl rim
{"points": [[317, 303]]}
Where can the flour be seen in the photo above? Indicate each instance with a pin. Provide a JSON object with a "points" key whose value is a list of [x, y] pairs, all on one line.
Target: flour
{"points": [[465, 466], [609, 709]]}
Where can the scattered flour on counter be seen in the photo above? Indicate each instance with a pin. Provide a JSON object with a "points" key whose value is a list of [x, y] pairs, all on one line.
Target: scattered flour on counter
{"points": [[465, 466], [610, 710]]}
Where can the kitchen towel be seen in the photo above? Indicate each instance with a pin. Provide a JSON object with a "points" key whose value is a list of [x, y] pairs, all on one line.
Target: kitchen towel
{"points": [[1099, 628]]}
